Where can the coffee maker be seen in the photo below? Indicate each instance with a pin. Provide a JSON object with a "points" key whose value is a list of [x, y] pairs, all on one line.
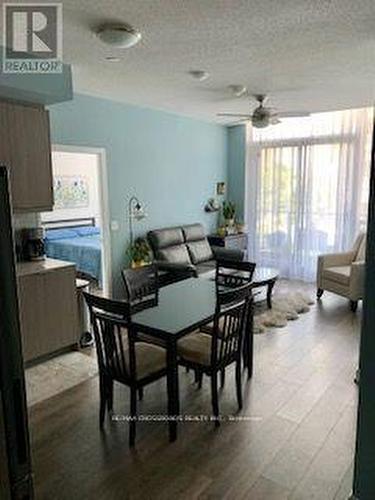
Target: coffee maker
{"points": [[34, 244]]}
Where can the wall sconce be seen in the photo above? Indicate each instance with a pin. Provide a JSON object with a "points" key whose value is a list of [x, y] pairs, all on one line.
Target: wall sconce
{"points": [[136, 212], [212, 205]]}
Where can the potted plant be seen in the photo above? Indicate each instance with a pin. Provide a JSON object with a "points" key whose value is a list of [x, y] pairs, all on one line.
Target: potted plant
{"points": [[229, 212], [140, 253]]}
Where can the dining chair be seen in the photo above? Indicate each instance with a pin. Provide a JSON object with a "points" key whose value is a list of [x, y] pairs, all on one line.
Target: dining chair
{"points": [[122, 356], [231, 274], [141, 286], [210, 353]]}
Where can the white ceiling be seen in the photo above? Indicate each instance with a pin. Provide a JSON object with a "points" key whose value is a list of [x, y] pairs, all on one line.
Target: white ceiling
{"points": [[307, 54]]}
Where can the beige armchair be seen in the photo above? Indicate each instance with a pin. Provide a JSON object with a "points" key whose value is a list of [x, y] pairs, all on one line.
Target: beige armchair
{"points": [[344, 273]]}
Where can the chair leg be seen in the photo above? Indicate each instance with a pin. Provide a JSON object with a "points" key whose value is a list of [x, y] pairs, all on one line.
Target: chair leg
{"points": [[140, 393], [319, 292], [133, 414], [222, 378], [200, 380], [110, 395], [353, 305], [103, 401], [238, 384], [215, 400]]}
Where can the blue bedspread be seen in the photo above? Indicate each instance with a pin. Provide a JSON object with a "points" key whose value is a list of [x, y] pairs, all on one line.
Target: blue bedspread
{"points": [[79, 245]]}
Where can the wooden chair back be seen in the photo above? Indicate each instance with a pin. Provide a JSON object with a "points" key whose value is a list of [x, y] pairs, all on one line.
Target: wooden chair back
{"points": [[231, 318], [232, 273], [110, 320], [142, 286]]}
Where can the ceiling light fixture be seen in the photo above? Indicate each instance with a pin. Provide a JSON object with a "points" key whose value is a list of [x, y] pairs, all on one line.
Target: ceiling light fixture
{"points": [[120, 36], [199, 74]]}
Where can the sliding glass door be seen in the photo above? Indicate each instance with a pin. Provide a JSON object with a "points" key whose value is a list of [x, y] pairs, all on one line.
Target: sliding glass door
{"points": [[307, 203]]}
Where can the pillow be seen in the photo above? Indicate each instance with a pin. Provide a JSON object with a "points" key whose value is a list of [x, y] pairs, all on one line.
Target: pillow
{"points": [[200, 251], [177, 254], [87, 230], [60, 234]]}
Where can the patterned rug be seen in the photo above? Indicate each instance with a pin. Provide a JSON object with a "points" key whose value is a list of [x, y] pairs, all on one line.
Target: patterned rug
{"points": [[285, 307]]}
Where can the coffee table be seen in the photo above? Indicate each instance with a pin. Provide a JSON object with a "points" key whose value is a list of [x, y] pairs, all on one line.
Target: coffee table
{"points": [[265, 277]]}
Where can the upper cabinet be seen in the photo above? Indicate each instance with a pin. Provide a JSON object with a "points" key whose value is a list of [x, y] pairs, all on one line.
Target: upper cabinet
{"points": [[25, 147]]}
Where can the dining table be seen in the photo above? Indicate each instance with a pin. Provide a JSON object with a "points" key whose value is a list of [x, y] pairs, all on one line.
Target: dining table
{"points": [[181, 308]]}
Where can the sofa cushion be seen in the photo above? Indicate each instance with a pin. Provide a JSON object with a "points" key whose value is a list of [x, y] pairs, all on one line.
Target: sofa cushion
{"points": [[199, 251], [206, 267], [193, 232], [338, 274], [162, 238], [176, 254]]}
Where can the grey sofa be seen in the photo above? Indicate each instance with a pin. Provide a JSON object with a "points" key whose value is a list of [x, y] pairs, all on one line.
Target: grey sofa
{"points": [[182, 252]]}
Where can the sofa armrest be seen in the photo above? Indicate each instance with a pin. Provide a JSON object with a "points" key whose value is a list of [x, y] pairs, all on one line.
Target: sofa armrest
{"points": [[227, 253], [174, 267], [357, 279]]}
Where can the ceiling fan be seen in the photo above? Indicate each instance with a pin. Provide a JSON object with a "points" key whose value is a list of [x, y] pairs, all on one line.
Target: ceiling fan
{"points": [[264, 116]]}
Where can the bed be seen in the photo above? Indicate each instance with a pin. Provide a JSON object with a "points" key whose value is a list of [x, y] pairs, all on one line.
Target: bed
{"points": [[80, 244]]}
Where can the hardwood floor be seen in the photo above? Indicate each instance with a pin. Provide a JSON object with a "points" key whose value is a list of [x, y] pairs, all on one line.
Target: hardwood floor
{"points": [[296, 442]]}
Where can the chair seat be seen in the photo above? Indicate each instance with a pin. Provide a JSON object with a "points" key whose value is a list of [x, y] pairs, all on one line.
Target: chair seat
{"points": [[338, 274], [149, 359], [196, 348]]}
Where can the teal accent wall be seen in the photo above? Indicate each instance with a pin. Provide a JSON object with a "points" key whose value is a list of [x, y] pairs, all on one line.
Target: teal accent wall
{"points": [[236, 167], [170, 162]]}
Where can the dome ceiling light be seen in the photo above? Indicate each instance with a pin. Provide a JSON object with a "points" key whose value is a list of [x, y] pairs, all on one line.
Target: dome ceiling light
{"points": [[119, 36]]}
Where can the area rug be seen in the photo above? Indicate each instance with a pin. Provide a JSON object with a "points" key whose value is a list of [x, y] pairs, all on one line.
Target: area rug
{"points": [[285, 307], [56, 375]]}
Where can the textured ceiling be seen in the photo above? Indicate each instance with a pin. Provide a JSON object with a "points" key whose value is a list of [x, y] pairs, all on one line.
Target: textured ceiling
{"points": [[307, 54]]}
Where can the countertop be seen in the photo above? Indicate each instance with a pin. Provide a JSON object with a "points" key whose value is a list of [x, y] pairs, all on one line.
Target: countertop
{"points": [[42, 266]]}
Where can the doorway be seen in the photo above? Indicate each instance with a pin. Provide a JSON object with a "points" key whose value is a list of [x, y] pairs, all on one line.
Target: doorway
{"points": [[77, 229]]}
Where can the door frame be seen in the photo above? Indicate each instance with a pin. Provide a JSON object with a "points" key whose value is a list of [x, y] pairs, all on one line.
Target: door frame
{"points": [[104, 205]]}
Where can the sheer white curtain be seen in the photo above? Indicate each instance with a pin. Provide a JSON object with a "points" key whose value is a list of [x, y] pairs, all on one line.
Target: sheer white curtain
{"points": [[307, 187]]}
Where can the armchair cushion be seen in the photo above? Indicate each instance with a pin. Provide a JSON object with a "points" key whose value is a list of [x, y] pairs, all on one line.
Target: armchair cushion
{"points": [[338, 274]]}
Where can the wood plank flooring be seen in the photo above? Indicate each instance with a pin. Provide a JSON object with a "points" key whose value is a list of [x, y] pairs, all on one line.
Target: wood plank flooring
{"points": [[296, 442]]}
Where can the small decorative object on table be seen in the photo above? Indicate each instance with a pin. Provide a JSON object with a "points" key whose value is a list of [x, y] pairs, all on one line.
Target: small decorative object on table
{"points": [[140, 253]]}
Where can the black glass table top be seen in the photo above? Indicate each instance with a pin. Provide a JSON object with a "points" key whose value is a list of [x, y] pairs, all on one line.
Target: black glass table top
{"points": [[181, 307]]}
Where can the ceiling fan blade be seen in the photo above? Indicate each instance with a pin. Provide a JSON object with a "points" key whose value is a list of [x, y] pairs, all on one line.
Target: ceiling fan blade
{"points": [[293, 114], [247, 116]]}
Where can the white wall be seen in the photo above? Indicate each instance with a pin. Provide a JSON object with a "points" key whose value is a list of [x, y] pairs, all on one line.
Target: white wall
{"points": [[82, 164]]}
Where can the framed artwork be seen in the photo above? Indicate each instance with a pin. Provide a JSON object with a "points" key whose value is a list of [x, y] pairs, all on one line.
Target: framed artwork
{"points": [[220, 188], [71, 191]]}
